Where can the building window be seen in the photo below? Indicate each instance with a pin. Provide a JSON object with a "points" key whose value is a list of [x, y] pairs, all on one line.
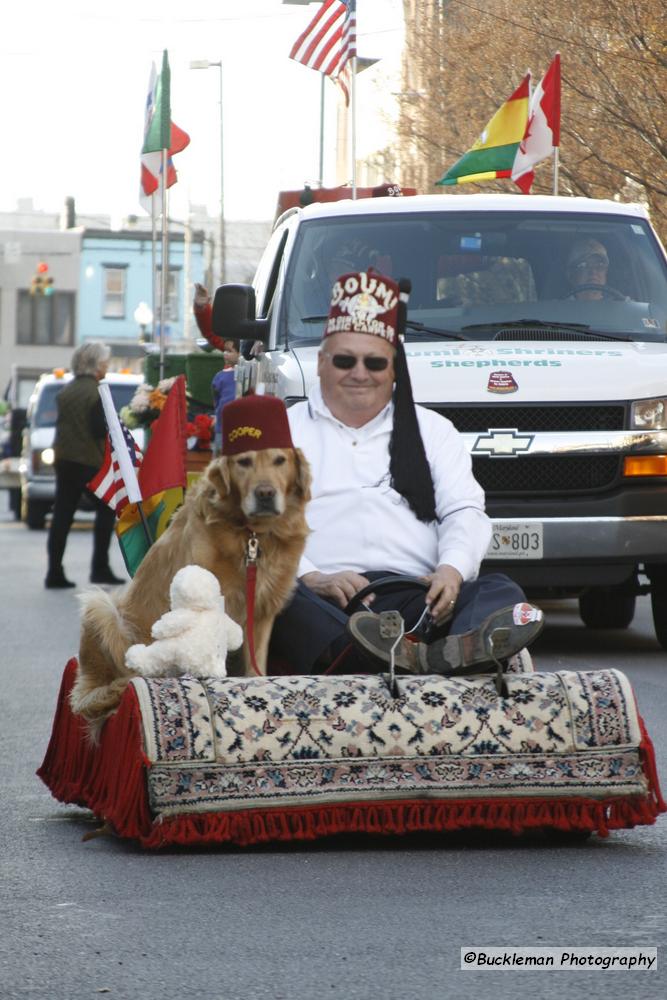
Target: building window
{"points": [[45, 319], [173, 283], [113, 305]]}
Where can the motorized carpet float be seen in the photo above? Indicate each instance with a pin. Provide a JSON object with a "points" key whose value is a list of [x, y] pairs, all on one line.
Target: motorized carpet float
{"points": [[188, 760]]}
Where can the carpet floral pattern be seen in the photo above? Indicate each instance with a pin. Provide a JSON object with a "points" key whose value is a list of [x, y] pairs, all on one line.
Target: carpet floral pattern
{"points": [[218, 745]]}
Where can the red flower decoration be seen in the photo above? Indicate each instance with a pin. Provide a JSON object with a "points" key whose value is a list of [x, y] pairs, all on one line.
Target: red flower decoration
{"points": [[201, 428]]}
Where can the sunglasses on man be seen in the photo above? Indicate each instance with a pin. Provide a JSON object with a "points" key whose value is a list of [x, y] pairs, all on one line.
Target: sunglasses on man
{"points": [[346, 362], [594, 261]]}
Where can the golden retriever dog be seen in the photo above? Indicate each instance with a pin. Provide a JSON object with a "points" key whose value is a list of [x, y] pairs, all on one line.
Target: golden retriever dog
{"points": [[262, 491]]}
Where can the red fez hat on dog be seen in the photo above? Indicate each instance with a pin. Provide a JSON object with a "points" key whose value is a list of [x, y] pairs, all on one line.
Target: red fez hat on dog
{"points": [[253, 423], [364, 302]]}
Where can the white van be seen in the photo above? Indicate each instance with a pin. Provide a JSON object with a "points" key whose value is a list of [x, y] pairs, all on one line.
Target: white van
{"points": [[38, 484], [561, 398]]}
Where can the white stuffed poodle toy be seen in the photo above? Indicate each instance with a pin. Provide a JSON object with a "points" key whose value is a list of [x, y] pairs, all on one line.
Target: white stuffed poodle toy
{"points": [[192, 638]]}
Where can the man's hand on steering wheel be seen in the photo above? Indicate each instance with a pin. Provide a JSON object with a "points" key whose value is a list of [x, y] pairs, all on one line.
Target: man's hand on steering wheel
{"points": [[606, 291], [339, 587], [443, 592]]}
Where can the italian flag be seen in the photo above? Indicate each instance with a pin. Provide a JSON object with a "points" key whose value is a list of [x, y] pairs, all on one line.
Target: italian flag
{"points": [[157, 104], [494, 152]]}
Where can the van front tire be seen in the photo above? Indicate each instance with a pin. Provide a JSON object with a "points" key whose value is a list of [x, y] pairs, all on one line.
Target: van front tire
{"points": [[658, 577], [608, 607], [34, 514]]}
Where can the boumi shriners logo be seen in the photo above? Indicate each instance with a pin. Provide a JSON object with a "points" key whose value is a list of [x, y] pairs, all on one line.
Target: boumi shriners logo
{"points": [[238, 432]]}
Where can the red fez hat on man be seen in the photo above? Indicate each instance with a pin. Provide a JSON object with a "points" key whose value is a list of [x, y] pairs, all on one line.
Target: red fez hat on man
{"points": [[371, 303], [364, 302], [253, 423]]}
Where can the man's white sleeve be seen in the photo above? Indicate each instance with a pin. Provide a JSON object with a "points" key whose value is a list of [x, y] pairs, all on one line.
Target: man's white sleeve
{"points": [[464, 529]]}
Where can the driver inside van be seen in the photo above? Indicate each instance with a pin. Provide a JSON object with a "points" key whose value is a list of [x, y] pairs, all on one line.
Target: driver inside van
{"points": [[586, 270]]}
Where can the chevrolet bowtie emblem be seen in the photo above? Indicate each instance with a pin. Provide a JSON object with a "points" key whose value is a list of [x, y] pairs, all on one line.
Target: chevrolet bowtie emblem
{"points": [[502, 441]]}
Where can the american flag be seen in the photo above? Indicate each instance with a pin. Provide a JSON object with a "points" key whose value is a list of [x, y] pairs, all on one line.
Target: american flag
{"points": [[108, 484], [329, 43]]}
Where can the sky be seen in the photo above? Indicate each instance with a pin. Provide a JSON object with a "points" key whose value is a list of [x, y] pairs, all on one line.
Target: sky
{"points": [[73, 82]]}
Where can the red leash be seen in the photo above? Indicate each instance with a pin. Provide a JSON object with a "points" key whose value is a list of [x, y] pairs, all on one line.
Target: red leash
{"points": [[251, 556]]}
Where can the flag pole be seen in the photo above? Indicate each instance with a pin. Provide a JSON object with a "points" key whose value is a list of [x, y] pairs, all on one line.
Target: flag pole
{"points": [[556, 151], [353, 115], [320, 180], [352, 42], [555, 67], [144, 522], [153, 264], [530, 97], [164, 275]]}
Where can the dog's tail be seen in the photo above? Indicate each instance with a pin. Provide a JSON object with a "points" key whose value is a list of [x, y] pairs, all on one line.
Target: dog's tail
{"points": [[102, 675]]}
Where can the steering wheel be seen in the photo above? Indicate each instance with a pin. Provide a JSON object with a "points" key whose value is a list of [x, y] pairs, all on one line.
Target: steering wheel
{"points": [[606, 291], [384, 583]]}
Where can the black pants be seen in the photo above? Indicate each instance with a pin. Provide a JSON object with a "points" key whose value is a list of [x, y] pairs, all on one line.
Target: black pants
{"points": [[71, 479], [311, 630]]}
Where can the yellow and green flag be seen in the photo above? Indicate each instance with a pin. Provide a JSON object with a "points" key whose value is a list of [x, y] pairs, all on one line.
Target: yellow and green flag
{"points": [[494, 152], [162, 480], [158, 512]]}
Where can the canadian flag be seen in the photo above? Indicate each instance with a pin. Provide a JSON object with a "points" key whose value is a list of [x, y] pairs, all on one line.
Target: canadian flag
{"points": [[542, 133]]}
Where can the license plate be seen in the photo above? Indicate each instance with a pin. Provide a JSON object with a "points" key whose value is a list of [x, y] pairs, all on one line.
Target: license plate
{"points": [[514, 540]]}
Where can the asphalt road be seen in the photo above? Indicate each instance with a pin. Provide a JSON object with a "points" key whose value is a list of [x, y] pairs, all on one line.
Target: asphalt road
{"points": [[346, 919]]}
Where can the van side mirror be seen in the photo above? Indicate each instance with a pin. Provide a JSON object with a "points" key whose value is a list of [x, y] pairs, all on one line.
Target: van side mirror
{"points": [[233, 314]]}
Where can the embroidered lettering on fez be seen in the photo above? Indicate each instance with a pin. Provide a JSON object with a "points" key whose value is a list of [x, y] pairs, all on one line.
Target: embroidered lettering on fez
{"points": [[364, 302], [238, 432]]}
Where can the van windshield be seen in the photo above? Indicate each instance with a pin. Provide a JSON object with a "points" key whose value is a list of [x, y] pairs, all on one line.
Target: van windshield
{"points": [[492, 275], [46, 410]]}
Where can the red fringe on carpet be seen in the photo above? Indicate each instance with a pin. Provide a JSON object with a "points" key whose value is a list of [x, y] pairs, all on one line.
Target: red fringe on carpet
{"points": [[110, 780]]}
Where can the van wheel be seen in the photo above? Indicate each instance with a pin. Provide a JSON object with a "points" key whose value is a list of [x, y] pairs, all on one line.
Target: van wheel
{"points": [[659, 609], [15, 502], [608, 607], [35, 514]]}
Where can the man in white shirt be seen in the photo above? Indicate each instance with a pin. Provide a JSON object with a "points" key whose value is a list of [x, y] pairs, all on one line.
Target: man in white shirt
{"points": [[392, 493]]}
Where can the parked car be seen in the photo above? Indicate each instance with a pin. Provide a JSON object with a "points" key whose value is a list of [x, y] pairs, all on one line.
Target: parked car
{"points": [[13, 407], [561, 396], [38, 484]]}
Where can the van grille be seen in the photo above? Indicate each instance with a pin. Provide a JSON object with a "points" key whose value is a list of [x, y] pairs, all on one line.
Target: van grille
{"points": [[557, 474], [534, 418]]}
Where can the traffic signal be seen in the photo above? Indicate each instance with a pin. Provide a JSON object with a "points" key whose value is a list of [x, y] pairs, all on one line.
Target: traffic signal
{"points": [[42, 282]]}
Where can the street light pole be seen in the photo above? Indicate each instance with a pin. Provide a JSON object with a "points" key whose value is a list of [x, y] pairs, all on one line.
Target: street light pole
{"points": [[207, 64]]}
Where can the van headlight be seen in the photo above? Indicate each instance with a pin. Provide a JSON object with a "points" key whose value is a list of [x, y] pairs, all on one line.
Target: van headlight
{"points": [[649, 414], [42, 462]]}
